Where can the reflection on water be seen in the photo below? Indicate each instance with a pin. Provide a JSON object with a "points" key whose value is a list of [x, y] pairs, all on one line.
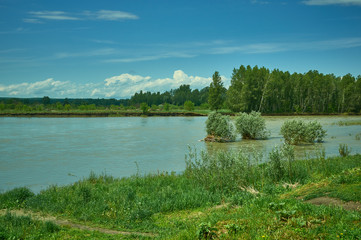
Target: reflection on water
{"points": [[38, 152]]}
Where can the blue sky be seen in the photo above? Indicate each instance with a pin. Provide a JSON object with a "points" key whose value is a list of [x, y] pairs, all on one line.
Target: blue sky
{"points": [[112, 49]]}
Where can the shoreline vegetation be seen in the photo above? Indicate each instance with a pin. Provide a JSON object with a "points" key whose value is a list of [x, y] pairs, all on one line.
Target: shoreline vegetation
{"points": [[251, 89], [226, 195], [134, 113]]}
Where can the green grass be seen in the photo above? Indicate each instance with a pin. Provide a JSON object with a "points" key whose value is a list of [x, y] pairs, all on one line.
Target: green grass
{"points": [[344, 186], [24, 227], [226, 194]]}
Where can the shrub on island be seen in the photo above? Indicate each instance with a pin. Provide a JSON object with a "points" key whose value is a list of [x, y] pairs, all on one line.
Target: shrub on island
{"points": [[251, 126], [297, 132], [219, 128]]}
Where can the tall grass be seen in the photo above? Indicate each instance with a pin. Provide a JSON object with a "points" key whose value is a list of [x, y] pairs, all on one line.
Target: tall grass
{"points": [[123, 203], [234, 170], [21, 227], [138, 202]]}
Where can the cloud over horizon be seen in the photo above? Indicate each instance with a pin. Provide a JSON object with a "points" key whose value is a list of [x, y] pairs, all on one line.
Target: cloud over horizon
{"points": [[121, 86]]}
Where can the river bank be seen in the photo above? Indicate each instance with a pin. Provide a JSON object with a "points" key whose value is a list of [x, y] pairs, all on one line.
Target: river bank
{"points": [[149, 114], [312, 199], [103, 114]]}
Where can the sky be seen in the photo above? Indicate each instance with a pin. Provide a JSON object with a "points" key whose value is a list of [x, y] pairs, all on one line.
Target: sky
{"points": [[112, 49]]}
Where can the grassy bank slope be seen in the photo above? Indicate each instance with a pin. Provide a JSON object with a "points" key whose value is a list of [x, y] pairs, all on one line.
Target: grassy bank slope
{"points": [[221, 196]]}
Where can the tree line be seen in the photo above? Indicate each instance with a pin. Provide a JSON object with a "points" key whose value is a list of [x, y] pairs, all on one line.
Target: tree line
{"points": [[251, 89], [259, 89]]}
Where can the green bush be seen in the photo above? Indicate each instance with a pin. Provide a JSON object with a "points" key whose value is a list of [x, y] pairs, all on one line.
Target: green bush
{"points": [[297, 131], [154, 107], [189, 105], [144, 107], [166, 107], [15, 197], [220, 127], [251, 126]]}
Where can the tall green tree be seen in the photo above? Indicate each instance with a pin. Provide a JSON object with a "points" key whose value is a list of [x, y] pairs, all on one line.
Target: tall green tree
{"points": [[216, 92], [234, 100], [46, 100]]}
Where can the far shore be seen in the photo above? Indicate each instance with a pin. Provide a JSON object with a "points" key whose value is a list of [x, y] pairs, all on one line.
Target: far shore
{"points": [[149, 114]]}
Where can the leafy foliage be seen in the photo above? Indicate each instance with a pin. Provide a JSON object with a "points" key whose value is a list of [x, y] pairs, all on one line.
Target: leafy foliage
{"points": [[144, 107], [251, 126], [297, 131], [259, 89], [15, 197], [216, 92], [206, 231], [220, 127], [189, 106]]}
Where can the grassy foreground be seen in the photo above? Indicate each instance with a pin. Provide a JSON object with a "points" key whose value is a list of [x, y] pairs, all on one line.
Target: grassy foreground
{"points": [[226, 195]]}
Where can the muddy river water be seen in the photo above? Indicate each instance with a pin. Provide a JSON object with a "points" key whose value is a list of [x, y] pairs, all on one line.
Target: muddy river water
{"points": [[38, 152]]}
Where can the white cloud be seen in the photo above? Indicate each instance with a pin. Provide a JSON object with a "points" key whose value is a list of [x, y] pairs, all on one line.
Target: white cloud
{"points": [[90, 53], [258, 48], [52, 15], [259, 2], [114, 15], [125, 78], [106, 15], [121, 86], [332, 2], [150, 57], [126, 85], [250, 48], [32, 20], [40, 88]]}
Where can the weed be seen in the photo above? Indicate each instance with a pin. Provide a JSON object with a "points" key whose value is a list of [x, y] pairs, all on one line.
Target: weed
{"points": [[344, 150], [233, 228], [206, 231]]}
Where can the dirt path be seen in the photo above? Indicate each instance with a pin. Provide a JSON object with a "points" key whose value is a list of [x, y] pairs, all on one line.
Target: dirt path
{"points": [[42, 217], [335, 202]]}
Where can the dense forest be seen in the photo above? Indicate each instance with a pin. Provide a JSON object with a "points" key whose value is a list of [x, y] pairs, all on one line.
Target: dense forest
{"points": [[275, 91], [251, 89]]}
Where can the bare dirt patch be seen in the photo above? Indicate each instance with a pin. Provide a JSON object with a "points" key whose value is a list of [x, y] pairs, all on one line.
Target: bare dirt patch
{"points": [[335, 202], [63, 222]]}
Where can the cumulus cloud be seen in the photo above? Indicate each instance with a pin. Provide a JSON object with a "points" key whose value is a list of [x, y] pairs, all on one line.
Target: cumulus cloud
{"points": [[332, 2], [125, 78], [38, 88], [120, 86], [126, 85]]}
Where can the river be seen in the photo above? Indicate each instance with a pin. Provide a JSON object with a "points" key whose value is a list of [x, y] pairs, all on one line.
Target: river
{"points": [[38, 152]]}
